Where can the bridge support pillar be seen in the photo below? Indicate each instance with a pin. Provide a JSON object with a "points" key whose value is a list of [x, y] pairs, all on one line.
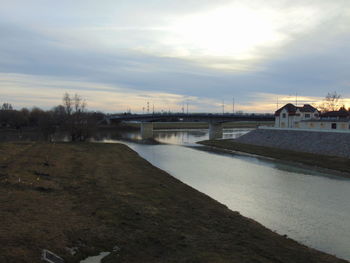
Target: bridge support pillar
{"points": [[215, 130], [147, 130]]}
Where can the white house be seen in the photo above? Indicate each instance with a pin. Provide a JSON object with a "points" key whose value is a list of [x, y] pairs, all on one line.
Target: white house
{"points": [[290, 116], [308, 117], [333, 120]]}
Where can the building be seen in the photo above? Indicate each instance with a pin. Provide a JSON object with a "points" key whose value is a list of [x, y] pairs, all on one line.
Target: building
{"points": [[308, 117], [333, 120], [290, 116]]}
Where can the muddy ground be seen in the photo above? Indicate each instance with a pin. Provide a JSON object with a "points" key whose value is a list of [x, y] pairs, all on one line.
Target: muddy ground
{"points": [[92, 197]]}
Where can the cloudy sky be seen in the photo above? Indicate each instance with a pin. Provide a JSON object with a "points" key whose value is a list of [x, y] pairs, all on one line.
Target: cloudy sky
{"points": [[121, 54]]}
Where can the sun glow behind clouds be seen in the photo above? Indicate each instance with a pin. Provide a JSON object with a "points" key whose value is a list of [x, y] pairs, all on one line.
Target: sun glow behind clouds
{"points": [[237, 36], [229, 31]]}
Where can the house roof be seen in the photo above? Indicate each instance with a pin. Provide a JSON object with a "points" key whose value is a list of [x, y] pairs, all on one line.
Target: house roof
{"points": [[336, 114], [307, 108], [291, 109]]}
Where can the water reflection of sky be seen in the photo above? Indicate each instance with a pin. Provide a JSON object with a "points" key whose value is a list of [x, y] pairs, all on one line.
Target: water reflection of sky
{"points": [[307, 205], [190, 137]]}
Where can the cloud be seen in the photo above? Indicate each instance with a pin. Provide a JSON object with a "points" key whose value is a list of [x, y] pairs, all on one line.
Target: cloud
{"points": [[46, 92], [137, 50]]}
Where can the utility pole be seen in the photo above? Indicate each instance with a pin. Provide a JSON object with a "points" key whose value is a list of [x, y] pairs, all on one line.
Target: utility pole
{"points": [[187, 108], [296, 99], [233, 105], [223, 107], [153, 108]]}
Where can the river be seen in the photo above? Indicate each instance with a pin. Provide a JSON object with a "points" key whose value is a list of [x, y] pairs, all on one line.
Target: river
{"points": [[309, 206]]}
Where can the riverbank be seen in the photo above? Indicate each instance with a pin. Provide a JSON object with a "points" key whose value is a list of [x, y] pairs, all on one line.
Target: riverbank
{"points": [[336, 163], [91, 197]]}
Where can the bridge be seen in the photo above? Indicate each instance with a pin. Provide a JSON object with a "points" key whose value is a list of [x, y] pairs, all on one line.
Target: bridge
{"points": [[200, 117], [215, 120]]}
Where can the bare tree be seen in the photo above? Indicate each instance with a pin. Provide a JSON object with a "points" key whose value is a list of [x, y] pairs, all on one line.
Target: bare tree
{"points": [[74, 104], [79, 104], [67, 104], [76, 122], [72, 117], [331, 102], [6, 106]]}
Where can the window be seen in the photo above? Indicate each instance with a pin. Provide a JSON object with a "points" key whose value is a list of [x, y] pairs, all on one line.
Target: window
{"points": [[283, 115], [307, 115], [334, 126], [316, 115]]}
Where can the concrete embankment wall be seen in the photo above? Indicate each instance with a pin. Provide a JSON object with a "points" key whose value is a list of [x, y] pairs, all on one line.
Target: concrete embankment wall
{"points": [[326, 143]]}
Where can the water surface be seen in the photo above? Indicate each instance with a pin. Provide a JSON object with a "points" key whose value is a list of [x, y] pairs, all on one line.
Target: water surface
{"points": [[307, 205]]}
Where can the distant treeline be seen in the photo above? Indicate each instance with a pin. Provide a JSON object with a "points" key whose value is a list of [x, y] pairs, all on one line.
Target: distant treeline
{"points": [[71, 117]]}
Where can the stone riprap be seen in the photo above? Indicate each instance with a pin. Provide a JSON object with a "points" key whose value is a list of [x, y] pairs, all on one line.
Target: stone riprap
{"points": [[326, 143]]}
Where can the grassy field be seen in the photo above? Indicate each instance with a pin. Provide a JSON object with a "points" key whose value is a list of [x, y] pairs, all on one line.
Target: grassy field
{"points": [[323, 161], [93, 197]]}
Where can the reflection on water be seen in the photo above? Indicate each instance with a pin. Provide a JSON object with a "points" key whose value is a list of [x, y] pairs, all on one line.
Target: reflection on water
{"points": [[307, 205], [190, 137], [166, 136], [180, 136]]}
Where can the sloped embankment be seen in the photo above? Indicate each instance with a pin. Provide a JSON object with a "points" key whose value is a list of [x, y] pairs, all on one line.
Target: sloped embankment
{"points": [[325, 143], [298, 147]]}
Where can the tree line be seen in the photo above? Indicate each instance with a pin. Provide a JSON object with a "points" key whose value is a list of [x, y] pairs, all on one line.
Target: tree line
{"points": [[71, 117]]}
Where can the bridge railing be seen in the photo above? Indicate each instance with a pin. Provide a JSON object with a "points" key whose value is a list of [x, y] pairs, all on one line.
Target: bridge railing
{"points": [[191, 115]]}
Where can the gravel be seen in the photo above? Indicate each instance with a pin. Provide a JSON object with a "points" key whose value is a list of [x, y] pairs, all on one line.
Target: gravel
{"points": [[326, 143]]}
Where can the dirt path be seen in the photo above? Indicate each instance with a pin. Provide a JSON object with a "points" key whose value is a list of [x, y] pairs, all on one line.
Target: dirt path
{"points": [[94, 196]]}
